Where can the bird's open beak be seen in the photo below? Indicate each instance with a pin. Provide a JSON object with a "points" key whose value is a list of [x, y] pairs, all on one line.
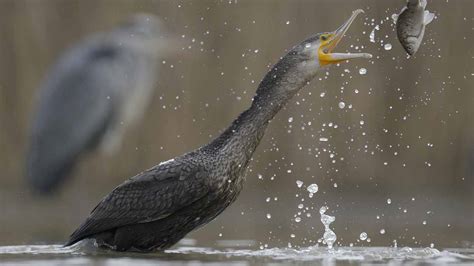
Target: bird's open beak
{"points": [[331, 40]]}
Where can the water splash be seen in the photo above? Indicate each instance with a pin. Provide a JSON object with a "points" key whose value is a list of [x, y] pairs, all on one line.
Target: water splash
{"points": [[372, 33], [394, 18], [313, 188], [299, 183], [234, 254], [329, 236]]}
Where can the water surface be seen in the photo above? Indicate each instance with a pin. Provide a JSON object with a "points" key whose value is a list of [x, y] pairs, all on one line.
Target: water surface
{"points": [[87, 254]]}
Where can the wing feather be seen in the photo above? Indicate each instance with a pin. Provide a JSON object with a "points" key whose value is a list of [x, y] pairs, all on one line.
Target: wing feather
{"points": [[149, 196]]}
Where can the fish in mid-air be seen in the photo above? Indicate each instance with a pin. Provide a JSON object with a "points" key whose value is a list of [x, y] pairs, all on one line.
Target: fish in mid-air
{"points": [[411, 23]]}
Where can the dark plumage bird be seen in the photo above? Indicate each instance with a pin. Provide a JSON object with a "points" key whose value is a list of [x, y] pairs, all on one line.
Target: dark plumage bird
{"points": [[155, 209], [97, 89]]}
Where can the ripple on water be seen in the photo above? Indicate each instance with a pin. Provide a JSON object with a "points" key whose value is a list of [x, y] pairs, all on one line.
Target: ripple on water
{"points": [[42, 254]]}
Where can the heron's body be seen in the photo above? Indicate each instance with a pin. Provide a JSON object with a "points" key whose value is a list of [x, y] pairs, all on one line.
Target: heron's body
{"points": [[96, 90], [158, 207]]}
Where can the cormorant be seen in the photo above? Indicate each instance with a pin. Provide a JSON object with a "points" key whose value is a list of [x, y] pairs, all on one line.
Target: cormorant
{"points": [[156, 208], [96, 89]]}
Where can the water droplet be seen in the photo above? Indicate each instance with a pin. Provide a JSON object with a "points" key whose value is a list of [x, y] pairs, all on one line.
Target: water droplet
{"points": [[389, 201], [288, 22], [387, 46], [424, 222], [323, 139], [269, 216], [382, 231], [363, 236], [322, 94], [342, 105], [313, 188], [299, 183], [297, 219], [290, 119], [329, 236], [361, 122], [308, 45], [372, 34], [362, 71], [300, 206], [394, 18], [323, 209]]}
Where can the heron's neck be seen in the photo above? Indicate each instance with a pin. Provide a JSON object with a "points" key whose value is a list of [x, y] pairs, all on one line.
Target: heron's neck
{"points": [[240, 140]]}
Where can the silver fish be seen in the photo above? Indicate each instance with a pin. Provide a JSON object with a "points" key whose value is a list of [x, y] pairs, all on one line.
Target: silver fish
{"points": [[411, 23]]}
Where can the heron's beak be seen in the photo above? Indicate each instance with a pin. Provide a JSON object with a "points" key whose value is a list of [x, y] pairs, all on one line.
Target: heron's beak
{"points": [[326, 56]]}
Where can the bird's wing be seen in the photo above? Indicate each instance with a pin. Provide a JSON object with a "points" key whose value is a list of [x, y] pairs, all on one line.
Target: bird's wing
{"points": [[76, 107], [149, 196]]}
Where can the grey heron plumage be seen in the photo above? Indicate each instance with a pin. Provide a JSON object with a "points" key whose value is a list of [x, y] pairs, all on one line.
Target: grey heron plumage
{"points": [[95, 90], [156, 208]]}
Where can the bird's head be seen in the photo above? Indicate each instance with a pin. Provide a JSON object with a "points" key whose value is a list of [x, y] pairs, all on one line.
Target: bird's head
{"points": [[318, 51], [146, 33], [142, 26], [327, 42], [303, 61]]}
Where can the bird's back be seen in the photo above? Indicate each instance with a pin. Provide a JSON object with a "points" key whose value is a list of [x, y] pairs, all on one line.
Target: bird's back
{"points": [[157, 207]]}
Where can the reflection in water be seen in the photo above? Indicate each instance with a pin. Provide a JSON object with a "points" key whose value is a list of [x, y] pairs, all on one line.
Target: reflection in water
{"points": [[87, 253]]}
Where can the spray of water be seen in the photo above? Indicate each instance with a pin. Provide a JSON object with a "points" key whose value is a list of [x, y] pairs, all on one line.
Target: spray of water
{"points": [[329, 236]]}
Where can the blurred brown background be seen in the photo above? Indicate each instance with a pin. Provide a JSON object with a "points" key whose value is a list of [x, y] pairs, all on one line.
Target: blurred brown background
{"points": [[414, 146]]}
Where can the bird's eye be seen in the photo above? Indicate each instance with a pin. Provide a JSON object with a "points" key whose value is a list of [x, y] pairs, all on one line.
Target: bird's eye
{"points": [[324, 37]]}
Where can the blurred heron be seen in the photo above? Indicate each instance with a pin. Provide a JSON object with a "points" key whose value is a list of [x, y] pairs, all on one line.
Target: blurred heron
{"points": [[156, 208], [94, 92]]}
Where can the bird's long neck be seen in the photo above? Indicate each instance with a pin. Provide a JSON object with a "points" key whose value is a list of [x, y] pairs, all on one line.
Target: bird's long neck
{"points": [[239, 141]]}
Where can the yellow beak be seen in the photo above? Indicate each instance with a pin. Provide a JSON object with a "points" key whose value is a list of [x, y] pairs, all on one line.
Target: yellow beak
{"points": [[325, 54]]}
